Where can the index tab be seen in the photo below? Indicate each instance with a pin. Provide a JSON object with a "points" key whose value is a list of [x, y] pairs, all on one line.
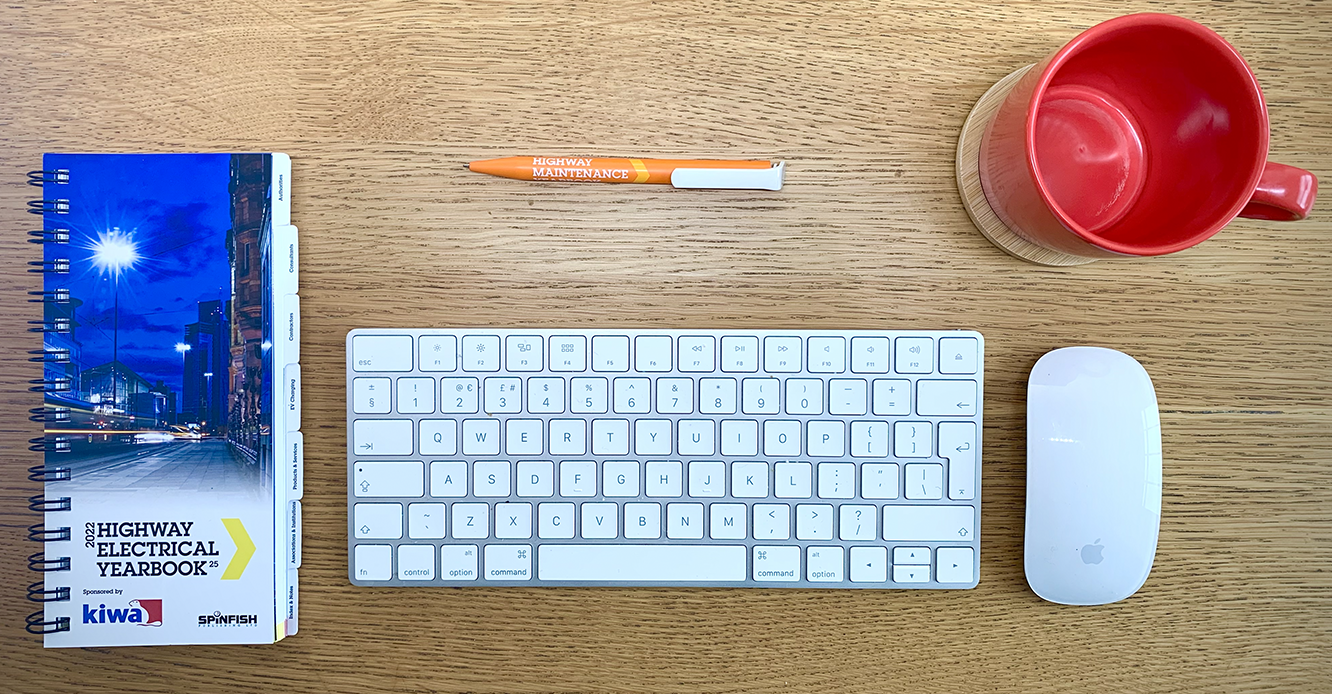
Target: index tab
{"points": [[731, 179]]}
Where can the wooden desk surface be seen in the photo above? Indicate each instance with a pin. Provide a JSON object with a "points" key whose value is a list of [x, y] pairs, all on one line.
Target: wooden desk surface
{"points": [[380, 103]]}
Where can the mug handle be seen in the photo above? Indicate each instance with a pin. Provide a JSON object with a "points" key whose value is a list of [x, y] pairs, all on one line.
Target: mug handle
{"points": [[1284, 194]]}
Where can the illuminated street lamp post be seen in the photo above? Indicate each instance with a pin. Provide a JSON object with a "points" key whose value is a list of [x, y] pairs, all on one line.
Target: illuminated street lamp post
{"points": [[113, 253], [183, 348]]}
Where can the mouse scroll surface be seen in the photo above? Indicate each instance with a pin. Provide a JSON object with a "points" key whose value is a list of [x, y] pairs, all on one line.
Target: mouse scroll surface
{"points": [[1093, 476]]}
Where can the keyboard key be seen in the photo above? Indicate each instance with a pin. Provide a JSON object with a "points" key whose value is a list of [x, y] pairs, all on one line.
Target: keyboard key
{"points": [[826, 439], [503, 395], [915, 355], [523, 353], [846, 396], [892, 396], [827, 355], [633, 395], [642, 521], [372, 395], [480, 353], [491, 478], [675, 395], [641, 563], [749, 480], [716, 395], [911, 574], [727, 522], [664, 479], [377, 521], [696, 437], [610, 437], [619, 478], [470, 521], [782, 354], [946, 398], [869, 439], [578, 478], [697, 354], [416, 562], [825, 564], [448, 479], [458, 395], [804, 396], [438, 353], [438, 437], [652, 353], [772, 522], [684, 521], [536, 478], [568, 353], [382, 437], [760, 395], [957, 355], [739, 354], [382, 353], [481, 437], [913, 439], [652, 437], [837, 480], [869, 355], [776, 563], [878, 481], [509, 562], [610, 353], [924, 481], [416, 395], [957, 443], [600, 521], [781, 438], [929, 523], [388, 479], [545, 395], [458, 562], [869, 564], [425, 521], [707, 479], [373, 562], [588, 395], [814, 522], [568, 437], [739, 437], [556, 521], [858, 522], [513, 521], [523, 437], [912, 555], [793, 480]]}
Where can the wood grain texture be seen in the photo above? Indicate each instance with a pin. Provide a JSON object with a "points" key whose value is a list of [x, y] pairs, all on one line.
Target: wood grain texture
{"points": [[380, 103]]}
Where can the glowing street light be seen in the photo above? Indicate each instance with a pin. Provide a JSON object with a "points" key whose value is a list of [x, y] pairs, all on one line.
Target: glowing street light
{"points": [[113, 253]]}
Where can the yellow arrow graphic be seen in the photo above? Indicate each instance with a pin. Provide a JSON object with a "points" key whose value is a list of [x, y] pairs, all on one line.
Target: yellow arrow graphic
{"points": [[244, 549]]}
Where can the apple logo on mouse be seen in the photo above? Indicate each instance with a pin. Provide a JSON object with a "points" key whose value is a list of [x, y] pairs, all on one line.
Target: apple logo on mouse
{"points": [[1091, 554]]}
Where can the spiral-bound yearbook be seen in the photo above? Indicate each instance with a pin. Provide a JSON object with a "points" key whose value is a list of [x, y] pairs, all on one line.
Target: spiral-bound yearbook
{"points": [[171, 400]]}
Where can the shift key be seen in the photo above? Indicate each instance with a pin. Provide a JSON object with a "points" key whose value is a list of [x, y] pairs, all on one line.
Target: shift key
{"points": [[929, 523]]}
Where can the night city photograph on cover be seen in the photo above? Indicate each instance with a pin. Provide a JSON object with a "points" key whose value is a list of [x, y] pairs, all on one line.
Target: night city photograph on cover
{"points": [[156, 355]]}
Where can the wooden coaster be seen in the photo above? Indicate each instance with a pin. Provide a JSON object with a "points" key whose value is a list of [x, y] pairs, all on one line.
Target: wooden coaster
{"points": [[973, 196]]}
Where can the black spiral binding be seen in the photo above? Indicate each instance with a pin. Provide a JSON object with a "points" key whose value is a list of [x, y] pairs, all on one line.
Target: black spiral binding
{"points": [[49, 444]]}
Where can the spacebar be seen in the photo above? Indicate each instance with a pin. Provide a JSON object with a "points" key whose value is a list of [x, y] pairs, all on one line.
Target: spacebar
{"points": [[646, 563]]}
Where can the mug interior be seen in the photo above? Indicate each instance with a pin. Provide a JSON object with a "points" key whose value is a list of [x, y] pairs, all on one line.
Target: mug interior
{"points": [[1149, 134]]}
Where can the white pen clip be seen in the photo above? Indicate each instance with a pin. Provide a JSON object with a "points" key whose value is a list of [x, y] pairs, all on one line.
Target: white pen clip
{"points": [[734, 179]]}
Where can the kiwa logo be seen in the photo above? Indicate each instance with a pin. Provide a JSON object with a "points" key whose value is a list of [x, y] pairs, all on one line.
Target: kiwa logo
{"points": [[145, 613]]}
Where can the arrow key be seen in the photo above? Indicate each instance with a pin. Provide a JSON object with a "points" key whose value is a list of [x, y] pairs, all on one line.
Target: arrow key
{"points": [[869, 564], [956, 565], [918, 556], [911, 574]]}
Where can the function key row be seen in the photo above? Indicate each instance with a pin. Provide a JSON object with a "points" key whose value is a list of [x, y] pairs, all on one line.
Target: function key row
{"points": [[664, 353]]}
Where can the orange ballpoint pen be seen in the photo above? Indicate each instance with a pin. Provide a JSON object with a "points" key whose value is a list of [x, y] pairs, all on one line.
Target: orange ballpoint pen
{"points": [[681, 173]]}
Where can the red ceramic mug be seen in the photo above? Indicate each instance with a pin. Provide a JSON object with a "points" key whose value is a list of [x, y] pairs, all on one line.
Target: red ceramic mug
{"points": [[1143, 136]]}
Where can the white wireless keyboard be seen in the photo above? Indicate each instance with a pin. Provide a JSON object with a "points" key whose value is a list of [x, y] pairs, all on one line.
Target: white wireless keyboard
{"points": [[790, 458]]}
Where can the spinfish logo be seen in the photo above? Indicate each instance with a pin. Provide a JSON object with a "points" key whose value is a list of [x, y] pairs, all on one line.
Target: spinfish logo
{"points": [[145, 613]]}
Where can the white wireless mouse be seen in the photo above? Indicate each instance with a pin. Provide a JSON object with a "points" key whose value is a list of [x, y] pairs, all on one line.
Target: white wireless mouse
{"points": [[1093, 476]]}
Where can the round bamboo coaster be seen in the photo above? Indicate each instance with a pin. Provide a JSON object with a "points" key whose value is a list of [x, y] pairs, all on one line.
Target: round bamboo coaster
{"points": [[973, 196]]}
